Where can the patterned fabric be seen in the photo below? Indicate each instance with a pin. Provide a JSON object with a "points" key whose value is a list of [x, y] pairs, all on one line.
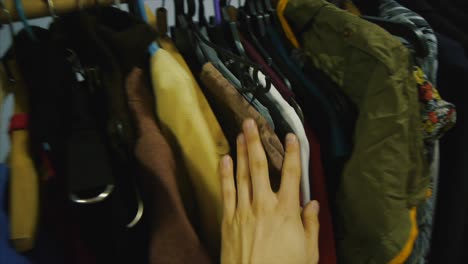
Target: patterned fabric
{"points": [[390, 9], [438, 116]]}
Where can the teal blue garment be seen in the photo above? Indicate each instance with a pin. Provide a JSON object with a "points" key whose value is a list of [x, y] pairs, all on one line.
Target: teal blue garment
{"points": [[338, 142], [7, 254]]}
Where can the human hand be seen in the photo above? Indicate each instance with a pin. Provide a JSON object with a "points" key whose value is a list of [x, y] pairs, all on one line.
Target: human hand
{"points": [[260, 226]]}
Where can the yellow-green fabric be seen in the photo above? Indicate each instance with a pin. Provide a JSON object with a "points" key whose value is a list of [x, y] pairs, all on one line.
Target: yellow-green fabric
{"points": [[24, 181], [386, 176], [185, 115]]}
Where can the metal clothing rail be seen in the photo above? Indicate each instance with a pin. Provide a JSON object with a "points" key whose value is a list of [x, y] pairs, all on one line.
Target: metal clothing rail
{"points": [[43, 8]]}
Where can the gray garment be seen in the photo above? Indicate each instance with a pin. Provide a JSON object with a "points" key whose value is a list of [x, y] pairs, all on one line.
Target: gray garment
{"points": [[392, 10], [212, 56], [425, 217], [7, 110]]}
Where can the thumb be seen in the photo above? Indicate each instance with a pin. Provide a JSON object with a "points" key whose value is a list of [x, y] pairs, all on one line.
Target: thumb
{"points": [[311, 223]]}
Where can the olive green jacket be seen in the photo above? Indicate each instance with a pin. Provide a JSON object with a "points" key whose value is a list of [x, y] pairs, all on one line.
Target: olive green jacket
{"points": [[386, 176]]}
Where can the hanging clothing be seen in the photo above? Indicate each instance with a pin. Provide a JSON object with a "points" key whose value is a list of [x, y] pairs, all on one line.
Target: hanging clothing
{"points": [[327, 246], [313, 101], [7, 252], [108, 44], [438, 116], [63, 131], [98, 37], [233, 109], [5, 122], [288, 113], [450, 235], [387, 160], [275, 79], [173, 238], [2, 95], [24, 181], [212, 56], [7, 110], [390, 9], [186, 115], [438, 22], [317, 186]]}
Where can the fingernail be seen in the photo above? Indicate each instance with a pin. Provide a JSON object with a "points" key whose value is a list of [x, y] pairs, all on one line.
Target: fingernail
{"points": [[249, 125], [315, 207], [226, 161], [241, 139], [290, 138]]}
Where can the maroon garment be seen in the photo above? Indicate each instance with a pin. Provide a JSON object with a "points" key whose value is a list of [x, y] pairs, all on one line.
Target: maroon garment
{"points": [[319, 192], [267, 70], [173, 239]]}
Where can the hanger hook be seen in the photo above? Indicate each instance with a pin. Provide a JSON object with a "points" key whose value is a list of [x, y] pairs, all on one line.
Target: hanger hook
{"points": [[52, 11]]}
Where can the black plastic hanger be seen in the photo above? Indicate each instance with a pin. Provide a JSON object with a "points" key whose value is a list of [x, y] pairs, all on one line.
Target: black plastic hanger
{"points": [[256, 21], [183, 35], [260, 17], [161, 20], [217, 34], [262, 8], [409, 32], [268, 6], [246, 25], [262, 41], [248, 84], [201, 14], [231, 26]]}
